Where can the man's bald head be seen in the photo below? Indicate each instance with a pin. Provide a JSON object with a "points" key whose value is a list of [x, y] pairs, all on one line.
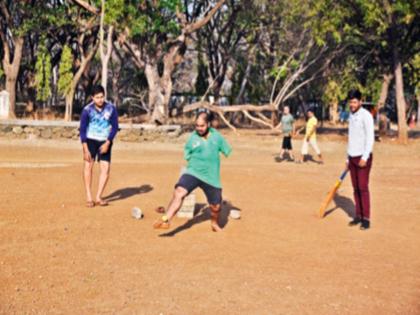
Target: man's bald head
{"points": [[202, 124], [203, 116]]}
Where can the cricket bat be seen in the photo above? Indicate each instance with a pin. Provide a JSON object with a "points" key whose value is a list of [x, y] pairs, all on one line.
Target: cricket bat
{"points": [[331, 194]]}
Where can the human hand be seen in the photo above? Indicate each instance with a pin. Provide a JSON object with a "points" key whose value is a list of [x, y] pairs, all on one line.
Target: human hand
{"points": [[105, 147], [86, 156], [362, 163]]}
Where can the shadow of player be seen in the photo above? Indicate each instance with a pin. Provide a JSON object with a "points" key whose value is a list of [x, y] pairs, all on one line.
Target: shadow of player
{"points": [[344, 203], [287, 157], [310, 158], [201, 214], [128, 192]]}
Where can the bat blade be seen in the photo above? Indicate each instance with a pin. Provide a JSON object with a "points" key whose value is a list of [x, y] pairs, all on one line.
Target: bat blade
{"points": [[331, 195]]}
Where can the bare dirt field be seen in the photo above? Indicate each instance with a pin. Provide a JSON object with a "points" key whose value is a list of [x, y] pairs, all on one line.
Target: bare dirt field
{"points": [[59, 257]]}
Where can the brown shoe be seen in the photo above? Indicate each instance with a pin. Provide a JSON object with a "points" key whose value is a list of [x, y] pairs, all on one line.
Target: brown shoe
{"points": [[161, 224]]}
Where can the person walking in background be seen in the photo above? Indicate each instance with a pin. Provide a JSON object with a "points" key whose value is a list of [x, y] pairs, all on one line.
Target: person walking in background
{"points": [[310, 137], [287, 125]]}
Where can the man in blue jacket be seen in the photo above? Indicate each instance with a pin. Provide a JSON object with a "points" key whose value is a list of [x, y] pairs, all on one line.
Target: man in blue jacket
{"points": [[98, 127]]}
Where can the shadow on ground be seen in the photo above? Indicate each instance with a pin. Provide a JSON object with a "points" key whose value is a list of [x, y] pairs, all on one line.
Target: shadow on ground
{"points": [[344, 203], [202, 214], [128, 192]]}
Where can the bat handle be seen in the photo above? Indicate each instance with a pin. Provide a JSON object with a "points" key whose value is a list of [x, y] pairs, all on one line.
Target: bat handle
{"points": [[343, 175]]}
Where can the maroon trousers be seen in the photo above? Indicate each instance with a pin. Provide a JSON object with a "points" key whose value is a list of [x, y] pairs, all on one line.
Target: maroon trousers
{"points": [[360, 181]]}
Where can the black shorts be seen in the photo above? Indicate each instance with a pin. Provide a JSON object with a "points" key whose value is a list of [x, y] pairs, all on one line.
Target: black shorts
{"points": [[287, 143], [94, 145], [189, 182]]}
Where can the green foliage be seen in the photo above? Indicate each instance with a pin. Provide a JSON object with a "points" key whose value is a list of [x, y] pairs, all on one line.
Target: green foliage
{"points": [[384, 15], [412, 68], [37, 16], [344, 80], [328, 21], [333, 92], [145, 18], [416, 72], [65, 71], [372, 88], [43, 74]]}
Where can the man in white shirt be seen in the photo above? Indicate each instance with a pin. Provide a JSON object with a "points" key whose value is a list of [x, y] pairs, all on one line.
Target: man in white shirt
{"points": [[359, 162]]}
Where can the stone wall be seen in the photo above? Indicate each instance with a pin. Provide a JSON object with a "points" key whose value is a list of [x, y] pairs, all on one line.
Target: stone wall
{"points": [[31, 129]]}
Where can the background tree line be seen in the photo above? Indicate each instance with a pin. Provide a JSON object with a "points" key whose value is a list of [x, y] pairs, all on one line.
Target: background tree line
{"points": [[255, 56]]}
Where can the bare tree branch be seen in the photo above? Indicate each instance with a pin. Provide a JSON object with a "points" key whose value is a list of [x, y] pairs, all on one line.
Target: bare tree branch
{"points": [[191, 28], [85, 5], [260, 121]]}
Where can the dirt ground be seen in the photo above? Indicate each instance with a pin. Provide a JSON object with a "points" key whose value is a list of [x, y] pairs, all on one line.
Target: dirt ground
{"points": [[59, 257]]}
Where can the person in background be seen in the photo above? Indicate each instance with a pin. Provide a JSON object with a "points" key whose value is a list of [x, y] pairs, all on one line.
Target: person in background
{"points": [[98, 127], [310, 137]]}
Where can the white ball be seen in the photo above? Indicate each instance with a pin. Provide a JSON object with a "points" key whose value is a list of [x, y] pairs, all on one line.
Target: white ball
{"points": [[235, 214], [136, 213]]}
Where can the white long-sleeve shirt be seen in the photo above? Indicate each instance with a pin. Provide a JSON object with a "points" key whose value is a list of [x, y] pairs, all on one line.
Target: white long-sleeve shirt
{"points": [[361, 134]]}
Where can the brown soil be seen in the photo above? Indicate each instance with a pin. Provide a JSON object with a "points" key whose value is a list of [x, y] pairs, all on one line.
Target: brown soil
{"points": [[59, 257]]}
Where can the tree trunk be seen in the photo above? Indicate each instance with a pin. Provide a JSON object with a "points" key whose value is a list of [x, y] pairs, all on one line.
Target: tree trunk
{"points": [[115, 90], [70, 97], [156, 94], [334, 112], [105, 50], [160, 87], [69, 104], [387, 78], [11, 70], [11, 88], [401, 104], [418, 110], [240, 97]]}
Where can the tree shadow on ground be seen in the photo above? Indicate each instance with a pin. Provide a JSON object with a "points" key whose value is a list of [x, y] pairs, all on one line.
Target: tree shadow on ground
{"points": [[202, 214], [344, 203], [128, 192]]}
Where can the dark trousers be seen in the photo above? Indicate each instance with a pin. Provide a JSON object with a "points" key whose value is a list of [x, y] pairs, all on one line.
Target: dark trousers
{"points": [[360, 181]]}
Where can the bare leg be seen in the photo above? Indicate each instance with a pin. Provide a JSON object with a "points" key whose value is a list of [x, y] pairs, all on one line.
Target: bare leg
{"points": [[87, 177], [292, 157], [320, 158], [103, 179], [281, 153], [215, 211], [176, 202], [301, 159], [173, 207]]}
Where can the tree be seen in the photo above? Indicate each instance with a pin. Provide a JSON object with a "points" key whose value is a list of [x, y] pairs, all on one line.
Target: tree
{"points": [[395, 27], [85, 44], [110, 13], [220, 40], [65, 72], [43, 74], [155, 34], [12, 16]]}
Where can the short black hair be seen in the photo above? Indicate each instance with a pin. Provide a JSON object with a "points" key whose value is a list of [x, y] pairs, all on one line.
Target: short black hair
{"points": [[97, 89], [354, 94]]}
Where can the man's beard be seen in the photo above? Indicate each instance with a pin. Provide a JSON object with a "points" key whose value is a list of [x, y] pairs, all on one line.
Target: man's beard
{"points": [[205, 133]]}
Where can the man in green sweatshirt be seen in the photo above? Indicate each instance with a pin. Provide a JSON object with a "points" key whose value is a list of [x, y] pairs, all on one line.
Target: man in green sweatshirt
{"points": [[202, 152]]}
